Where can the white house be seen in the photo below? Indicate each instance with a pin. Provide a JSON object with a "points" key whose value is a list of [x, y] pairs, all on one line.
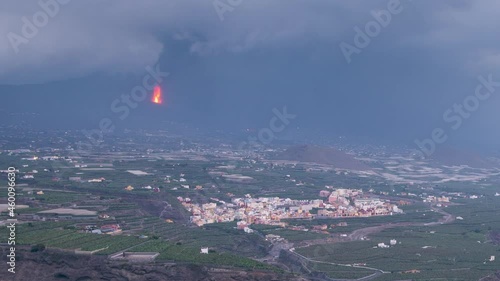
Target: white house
{"points": [[382, 245], [204, 251]]}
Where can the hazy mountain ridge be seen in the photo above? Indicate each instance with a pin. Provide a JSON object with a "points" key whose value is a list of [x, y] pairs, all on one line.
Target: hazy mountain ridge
{"points": [[455, 157], [322, 155]]}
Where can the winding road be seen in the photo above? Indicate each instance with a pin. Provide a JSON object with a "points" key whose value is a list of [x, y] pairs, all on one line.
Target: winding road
{"points": [[360, 234]]}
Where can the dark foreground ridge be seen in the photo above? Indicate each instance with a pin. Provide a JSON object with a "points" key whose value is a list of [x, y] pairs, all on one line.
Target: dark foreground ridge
{"points": [[60, 265]]}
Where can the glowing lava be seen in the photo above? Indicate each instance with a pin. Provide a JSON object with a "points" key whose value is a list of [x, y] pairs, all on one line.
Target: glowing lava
{"points": [[157, 97]]}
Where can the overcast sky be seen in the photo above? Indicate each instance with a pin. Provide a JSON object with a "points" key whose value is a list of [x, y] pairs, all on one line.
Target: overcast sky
{"points": [[231, 62]]}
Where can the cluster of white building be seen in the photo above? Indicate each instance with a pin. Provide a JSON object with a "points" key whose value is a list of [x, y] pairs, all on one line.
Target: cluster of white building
{"points": [[272, 210], [264, 210], [436, 199], [351, 203]]}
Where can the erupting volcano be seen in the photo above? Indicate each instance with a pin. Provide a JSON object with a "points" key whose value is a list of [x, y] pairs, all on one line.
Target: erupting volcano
{"points": [[157, 97]]}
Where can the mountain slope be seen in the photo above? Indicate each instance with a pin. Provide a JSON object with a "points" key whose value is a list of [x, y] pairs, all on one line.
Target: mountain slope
{"points": [[322, 155]]}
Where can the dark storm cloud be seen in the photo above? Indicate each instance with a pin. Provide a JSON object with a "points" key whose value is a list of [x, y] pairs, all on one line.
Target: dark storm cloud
{"points": [[82, 37], [266, 54]]}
